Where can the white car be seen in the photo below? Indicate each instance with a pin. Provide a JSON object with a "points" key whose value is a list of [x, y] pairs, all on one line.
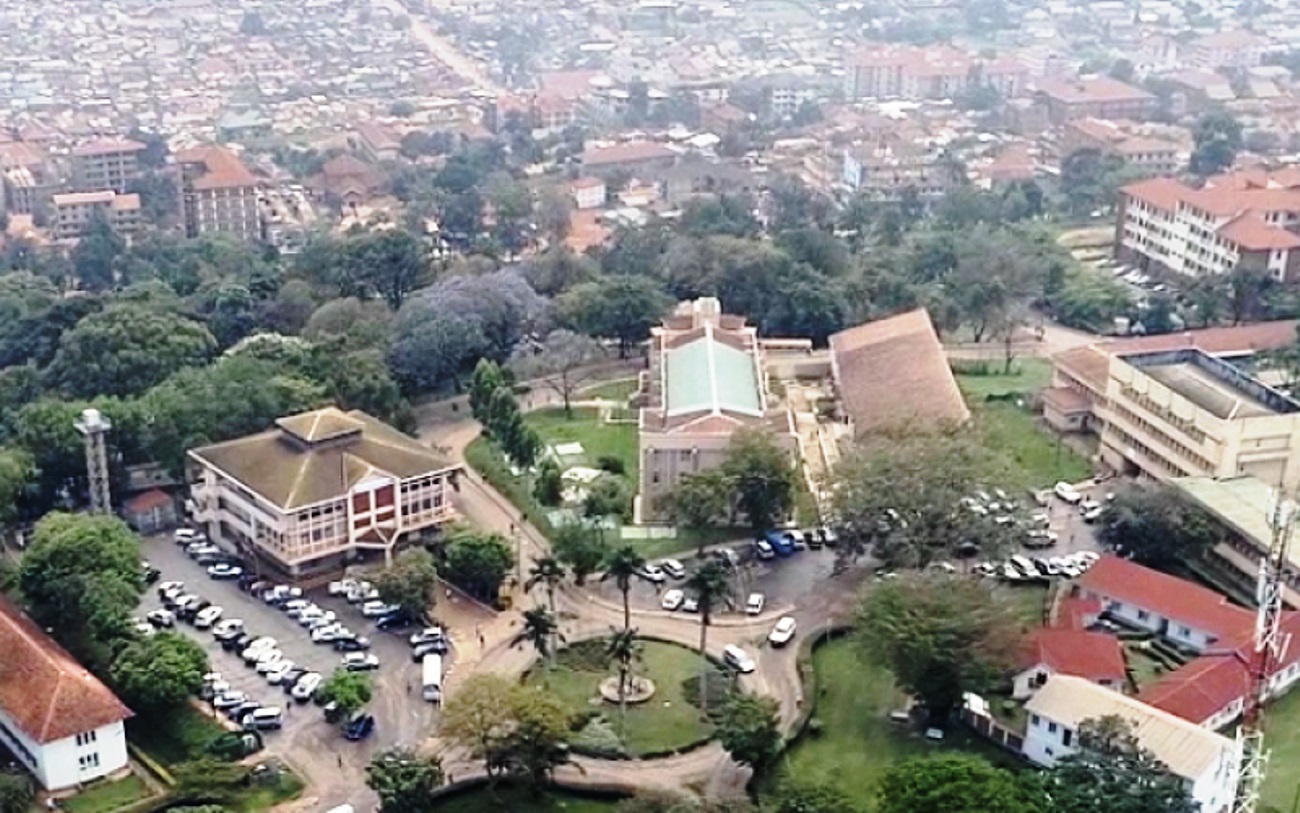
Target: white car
{"points": [[227, 626], [737, 658], [672, 600], [782, 632], [306, 686], [207, 617], [754, 604], [375, 609], [185, 536], [690, 604], [318, 621], [223, 570], [253, 650], [653, 573], [144, 629], [327, 633], [673, 568], [342, 587], [268, 660], [360, 662], [276, 674], [763, 550], [1067, 492]]}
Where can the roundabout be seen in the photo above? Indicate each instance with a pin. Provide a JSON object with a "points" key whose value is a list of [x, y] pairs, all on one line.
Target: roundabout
{"points": [[659, 712]]}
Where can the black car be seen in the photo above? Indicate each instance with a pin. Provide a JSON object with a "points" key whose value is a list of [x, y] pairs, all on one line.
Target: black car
{"points": [[394, 621], [428, 648], [239, 643], [151, 574], [228, 635], [815, 539], [237, 712], [358, 728], [291, 679], [351, 644]]}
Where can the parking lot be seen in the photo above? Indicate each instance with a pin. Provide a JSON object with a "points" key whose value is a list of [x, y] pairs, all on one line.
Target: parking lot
{"points": [[401, 716]]}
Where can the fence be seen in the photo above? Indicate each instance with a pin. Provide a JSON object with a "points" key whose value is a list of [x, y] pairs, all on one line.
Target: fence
{"points": [[993, 731]]}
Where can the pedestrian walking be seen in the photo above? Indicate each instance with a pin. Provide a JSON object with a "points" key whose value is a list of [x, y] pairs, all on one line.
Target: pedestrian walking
{"points": [[340, 760]]}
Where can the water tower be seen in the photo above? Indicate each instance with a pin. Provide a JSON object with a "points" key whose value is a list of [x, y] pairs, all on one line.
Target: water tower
{"points": [[94, 427]]}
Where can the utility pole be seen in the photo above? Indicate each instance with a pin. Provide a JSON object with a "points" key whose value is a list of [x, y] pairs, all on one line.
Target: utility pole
{"points": [[94, 428]]}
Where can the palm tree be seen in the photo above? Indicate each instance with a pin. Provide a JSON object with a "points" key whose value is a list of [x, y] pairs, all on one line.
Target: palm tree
{"points": [[547, 570], [539, 629], [711, 587], [622, 566], [624, 648]]}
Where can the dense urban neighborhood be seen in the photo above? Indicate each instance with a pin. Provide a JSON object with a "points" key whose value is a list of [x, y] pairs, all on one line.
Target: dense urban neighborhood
{"points": [[665, 406]]}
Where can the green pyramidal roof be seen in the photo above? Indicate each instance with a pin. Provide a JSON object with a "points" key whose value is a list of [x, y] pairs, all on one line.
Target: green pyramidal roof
{"points": [[708, 376]]}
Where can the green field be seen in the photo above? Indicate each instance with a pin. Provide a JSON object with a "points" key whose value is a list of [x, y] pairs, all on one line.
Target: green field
{"points": [[175, 737], [102, 797], [857, 741], [515, 800], [611, 390], [1028, 376], [665, 722], [1283, 739], [1035, 457], [598, 439]]}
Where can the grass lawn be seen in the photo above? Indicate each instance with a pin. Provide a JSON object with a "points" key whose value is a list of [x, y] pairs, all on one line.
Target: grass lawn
{"points": [[598, 439], [612, 390], [1145, 668], [666, 721], [1035, 458], [1283, 741], [1025, 600], [104, 796], [858, 742], [180, 736], [264, 797], [515, 800], [1028, 376]]}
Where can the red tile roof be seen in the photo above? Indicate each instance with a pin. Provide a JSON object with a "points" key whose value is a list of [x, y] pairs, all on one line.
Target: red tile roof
{"points": [[43, 689], [222, 168], [1200, 689], [1076, 613], [1170, 597], [108, 146], [621, 153], [1097, 89], [1066, 399], [1163, 193], [147, 501], [1251, 232], [893, 372], [1093, 655]]}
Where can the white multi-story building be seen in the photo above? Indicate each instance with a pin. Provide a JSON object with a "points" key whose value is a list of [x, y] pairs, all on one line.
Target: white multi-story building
{"points": [[1243, 220], [320, 489], [1207, 763], [218, 194], [56, 718]]}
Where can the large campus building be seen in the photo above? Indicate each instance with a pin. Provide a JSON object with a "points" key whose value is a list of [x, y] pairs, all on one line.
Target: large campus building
{"points": [[1246, 219], [319, 490], [1181, 405], [218, 194], [56, 718], [706, 380]]}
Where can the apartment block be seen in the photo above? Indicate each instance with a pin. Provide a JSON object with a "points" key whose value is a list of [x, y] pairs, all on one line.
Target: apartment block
{"points": [[218, 194], [1097, 97], [1227, 49], [75, 211], [1247, 219], [320, 490], [885, 169], [1148, 153], [110, 163], [705, 382]]}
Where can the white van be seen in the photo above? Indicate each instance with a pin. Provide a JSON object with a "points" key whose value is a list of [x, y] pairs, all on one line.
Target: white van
{"points": [[737, 658], [432, 682]]}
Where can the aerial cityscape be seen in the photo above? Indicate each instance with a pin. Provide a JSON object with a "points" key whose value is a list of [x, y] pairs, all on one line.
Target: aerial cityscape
{"points": [[660, 406]]}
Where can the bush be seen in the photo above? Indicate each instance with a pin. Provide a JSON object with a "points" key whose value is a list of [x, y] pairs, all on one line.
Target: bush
{"points": [[720, 690], [598, 738], [585, 656], [611, 464]]}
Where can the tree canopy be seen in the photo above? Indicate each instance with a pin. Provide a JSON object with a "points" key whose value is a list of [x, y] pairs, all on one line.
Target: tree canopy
{"points": [[159, 673], [957, 783], [1157, 526]]}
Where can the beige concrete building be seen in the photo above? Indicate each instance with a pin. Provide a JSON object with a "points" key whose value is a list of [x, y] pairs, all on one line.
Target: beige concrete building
{"points": [[705, 381], [1150, 154], [108, 163], [1171, 409], [319, 490], [218, 194], [74, 211]]}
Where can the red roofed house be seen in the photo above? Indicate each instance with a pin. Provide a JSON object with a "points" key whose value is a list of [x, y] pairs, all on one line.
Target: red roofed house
{"points": [[1095, 656], [1246, 219], [632, 156], [59, 721], [1099, 97], [149, 512]]}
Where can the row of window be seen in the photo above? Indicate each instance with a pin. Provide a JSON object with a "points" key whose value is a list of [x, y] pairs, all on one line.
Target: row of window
{"points": [[1067, 735], [87, 738], [88, 761], [1179, 449], [1152, 458], [1164, 413]]}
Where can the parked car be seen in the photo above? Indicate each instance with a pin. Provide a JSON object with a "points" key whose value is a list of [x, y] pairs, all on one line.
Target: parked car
{"points": [[429, 648], [394, 621], [306, 686], [1068, 493], [326, 634], [673, 568], [427, 635], [763, 550], [360, 662], [754, 604], [268, 718], [227, 628], [690, 604], [208, 616], [276, 674], [652, 573], [359, 727], [185, 536], [291, 678], [355, 644], [228, 699], [782, 632], [223, 571], [162, 619], [672, 599], [268, 660], [736, 658], [341, 587], [150, 573], [377, 609]]}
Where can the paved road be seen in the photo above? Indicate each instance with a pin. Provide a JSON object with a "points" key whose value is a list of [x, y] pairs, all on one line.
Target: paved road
{"points": [[333, 767], [444, 50]]}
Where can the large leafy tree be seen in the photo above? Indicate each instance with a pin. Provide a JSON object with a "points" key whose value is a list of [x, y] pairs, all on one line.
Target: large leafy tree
{"points": [[562, 363], [95, 254], [409, 582], [391, 263], [580, 548], [478, 563], [696, 502], [17, 474], [1112, 773], [519, 731], [750, 730], [761, 476], [81, 578], [711, 588], [940, 635], [621, 308], [349, 690], [126, 350], [405, 781], [1217, 137], [802, 795], [1157, 526], [17, 793], [899, 496], [159, 673], [957, 783]]}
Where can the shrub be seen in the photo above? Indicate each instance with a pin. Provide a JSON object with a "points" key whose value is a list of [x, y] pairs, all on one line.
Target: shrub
{"points": [[720, 690], [611, 464], [599, 739]]}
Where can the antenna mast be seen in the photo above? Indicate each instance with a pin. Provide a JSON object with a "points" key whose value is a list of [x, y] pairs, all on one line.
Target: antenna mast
{"points": [[1269, 651]]}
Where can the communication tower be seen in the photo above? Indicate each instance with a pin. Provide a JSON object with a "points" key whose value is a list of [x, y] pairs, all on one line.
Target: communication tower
{"points": [[94, 428]]}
